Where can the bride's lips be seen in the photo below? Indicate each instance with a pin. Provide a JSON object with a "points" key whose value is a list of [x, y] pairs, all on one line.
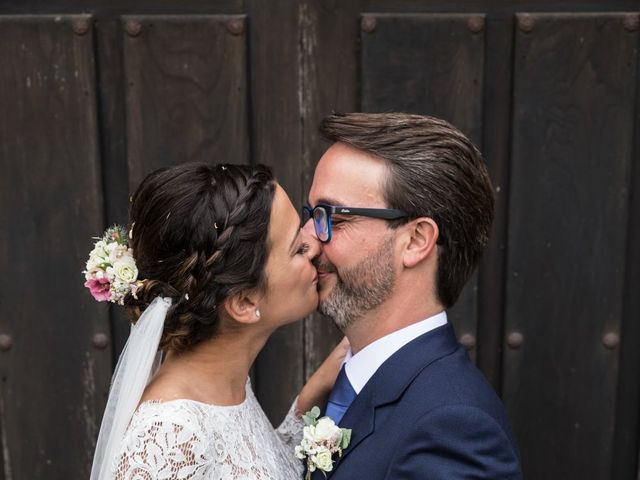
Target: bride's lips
{"points": [[324, 270]]}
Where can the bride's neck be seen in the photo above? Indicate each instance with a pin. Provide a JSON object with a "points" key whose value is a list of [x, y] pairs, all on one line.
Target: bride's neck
{"points": [[215, 371]]}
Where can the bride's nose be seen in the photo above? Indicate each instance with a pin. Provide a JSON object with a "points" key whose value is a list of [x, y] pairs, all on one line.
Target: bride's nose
{"points": [[308, 235]]}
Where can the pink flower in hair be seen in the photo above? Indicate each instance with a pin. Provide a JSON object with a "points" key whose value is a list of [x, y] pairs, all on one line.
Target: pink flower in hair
{"points": [[111, 272], [99, 288]]}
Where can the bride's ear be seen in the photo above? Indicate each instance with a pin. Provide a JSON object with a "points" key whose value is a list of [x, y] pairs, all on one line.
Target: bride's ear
{"points": [[243, 307]]}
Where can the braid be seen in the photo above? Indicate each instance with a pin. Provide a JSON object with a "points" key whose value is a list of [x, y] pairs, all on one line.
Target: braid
{"points": [[215, 247], [146, 291]]}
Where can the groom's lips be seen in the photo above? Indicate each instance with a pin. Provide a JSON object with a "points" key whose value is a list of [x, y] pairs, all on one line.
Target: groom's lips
{"points": [[323, 274]]}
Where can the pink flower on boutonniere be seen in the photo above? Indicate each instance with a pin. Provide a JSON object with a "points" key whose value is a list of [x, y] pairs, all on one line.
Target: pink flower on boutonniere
{"points": [[99, 288]]}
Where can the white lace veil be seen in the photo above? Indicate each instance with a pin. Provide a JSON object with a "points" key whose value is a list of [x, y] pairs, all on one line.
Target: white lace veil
{"points": [[133, 372]]}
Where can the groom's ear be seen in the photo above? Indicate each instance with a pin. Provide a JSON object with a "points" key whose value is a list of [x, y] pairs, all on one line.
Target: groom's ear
{"points": [[242, 307], [422, 236]]}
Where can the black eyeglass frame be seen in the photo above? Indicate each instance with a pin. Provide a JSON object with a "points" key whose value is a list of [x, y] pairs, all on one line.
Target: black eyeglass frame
{"points": [[383, 213]]}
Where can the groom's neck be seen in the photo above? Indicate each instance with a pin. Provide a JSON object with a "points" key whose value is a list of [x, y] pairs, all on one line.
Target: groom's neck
{"points": [[388, 318]]}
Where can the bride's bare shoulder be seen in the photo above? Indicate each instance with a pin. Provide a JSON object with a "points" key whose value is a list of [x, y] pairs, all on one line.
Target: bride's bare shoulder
{"points": [[164, 388]]}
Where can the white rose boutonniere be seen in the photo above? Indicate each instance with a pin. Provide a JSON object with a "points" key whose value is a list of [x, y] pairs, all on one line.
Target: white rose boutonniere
{"points": [[322, 438]]}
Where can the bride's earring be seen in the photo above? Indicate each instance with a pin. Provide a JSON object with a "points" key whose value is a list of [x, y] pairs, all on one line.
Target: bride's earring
{"points": [[257, 313]]}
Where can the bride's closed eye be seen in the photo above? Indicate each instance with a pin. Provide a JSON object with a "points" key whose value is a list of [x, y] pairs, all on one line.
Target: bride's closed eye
{"points": [[302, 249]]}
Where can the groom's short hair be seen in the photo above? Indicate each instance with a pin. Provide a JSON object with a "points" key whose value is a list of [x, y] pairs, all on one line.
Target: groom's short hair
{"points": [[434, 171]]}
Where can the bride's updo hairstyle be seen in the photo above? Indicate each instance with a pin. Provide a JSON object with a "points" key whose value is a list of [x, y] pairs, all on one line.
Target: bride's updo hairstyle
{"points": [[199, 235]]}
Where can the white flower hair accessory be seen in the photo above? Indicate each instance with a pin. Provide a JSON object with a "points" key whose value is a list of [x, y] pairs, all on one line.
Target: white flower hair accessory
{"points": [[111, 270], [321, 439]]}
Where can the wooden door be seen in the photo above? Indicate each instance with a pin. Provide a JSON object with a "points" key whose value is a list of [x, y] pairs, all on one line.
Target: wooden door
{"points": [[94, 95]]}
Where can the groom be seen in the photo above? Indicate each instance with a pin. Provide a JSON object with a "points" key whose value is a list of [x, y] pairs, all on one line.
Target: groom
{"points": [[403, 205]]}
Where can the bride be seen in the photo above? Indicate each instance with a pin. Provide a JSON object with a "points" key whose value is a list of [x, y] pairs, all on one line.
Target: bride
{"points": [[216, 263]]}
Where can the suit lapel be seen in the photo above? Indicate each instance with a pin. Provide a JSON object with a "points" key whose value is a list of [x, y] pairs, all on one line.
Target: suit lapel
{"points": [[391, 380], [360, 418]]}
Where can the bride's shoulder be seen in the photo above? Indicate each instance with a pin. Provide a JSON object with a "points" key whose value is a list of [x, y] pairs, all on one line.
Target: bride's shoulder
{"points": [[164, 388], [155, 417], [166, 437]]}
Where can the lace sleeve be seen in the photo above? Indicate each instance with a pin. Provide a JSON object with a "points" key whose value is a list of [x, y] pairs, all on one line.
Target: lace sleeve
{"points": [[157, 447], [290, 430]]}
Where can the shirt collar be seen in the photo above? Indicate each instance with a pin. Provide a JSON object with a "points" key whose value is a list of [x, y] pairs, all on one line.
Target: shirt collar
{"points": [[361, 366]]}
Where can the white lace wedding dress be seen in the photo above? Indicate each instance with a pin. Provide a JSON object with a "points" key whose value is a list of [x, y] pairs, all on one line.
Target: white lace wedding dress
{"points": [[186, 439]]}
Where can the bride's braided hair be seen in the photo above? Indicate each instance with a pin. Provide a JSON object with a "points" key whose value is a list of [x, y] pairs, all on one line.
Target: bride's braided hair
{"points": [[199, 235]]}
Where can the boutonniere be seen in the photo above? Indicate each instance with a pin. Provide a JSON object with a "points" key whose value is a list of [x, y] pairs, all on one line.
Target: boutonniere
{"points": [[321, 439]]}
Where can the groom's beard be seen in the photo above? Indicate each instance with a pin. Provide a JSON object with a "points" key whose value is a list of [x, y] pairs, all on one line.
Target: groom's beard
{"points": [[361, 288]]}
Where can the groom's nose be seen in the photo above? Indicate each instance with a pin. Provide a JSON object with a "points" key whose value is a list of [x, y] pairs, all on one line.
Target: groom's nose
{"points": [[308, 235]]}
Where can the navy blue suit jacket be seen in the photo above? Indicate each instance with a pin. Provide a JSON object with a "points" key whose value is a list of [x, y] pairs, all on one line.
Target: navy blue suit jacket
{"points": [[427, 413]]}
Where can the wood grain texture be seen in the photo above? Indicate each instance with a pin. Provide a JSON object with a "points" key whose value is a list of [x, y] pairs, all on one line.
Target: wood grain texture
{"points": [[113, 147], [102, 8], [567, 211], [427, 64], [569, 196], [328, 79], [497, 7], [496, 151], [54, 381], [276, 141], [186, 92], [431, 65], [626, 447]]}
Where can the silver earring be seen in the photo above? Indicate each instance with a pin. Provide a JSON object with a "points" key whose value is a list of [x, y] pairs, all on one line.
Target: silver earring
{"points": [[257, 313]]}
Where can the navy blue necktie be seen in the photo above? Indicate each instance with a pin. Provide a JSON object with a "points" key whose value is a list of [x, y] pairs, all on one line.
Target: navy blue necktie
{"points": [[341, 397]]}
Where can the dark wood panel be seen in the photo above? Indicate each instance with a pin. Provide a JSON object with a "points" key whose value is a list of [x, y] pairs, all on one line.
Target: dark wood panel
{"points": [[276, 140], [428, 64], [574, 403], [54, 382], [496, 151], [431, 65], [571, 163], [186, 90], [113, 147], [626, 447], [499, 7], [121, 7], [328, 79]]}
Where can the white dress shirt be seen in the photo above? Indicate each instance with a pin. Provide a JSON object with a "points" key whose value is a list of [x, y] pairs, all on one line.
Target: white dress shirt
{"points": [[361, 366]]}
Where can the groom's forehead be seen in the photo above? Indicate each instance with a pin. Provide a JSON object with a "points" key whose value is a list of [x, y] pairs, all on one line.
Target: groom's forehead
{"points": [[345, 175]]}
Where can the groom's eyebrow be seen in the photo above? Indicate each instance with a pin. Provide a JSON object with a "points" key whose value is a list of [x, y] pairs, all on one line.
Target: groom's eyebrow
{"points": [[328, 201]]}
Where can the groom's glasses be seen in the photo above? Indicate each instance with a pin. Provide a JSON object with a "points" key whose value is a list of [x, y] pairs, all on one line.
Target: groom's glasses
{"points": [[321, 215]]}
